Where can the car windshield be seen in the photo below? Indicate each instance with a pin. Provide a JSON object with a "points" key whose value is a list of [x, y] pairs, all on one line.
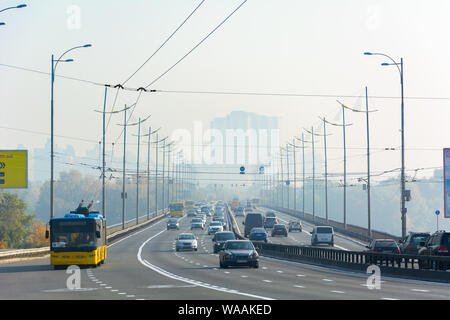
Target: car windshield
{"points": [[173, 220], [186, 237], [239, 246], [215, 224], [224, 236], [324, 230], [196, 220]]}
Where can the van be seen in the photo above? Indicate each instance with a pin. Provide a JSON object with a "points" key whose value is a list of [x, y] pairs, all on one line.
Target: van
{"points": [[322, 234], [252, 220]]}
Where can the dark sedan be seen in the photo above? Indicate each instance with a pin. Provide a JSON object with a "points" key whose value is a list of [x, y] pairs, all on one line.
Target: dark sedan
{"points": [[172, 223], [238, 253], [280, 229], [220, 238]]}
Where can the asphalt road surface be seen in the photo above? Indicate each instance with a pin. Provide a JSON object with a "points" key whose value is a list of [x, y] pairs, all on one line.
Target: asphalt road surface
{"points": [[145, 265]]}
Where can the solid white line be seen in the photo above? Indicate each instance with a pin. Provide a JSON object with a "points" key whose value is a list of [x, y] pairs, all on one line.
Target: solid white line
{"points": [[187, 280]]}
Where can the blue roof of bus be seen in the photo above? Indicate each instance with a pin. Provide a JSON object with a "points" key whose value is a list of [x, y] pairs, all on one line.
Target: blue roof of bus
{"points": [[80, 216]]}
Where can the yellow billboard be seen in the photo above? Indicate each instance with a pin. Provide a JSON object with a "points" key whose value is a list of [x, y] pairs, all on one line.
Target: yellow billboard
{"points": [[13, 169]]}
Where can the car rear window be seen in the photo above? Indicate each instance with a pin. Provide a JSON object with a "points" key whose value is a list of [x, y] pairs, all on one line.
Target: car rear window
{"points": [[254, 218], [239, 245], [386, 244], [224, 236], [259, 230], [324, 230], [279, 226], [446, 239], [271, 219], [417, 239]]}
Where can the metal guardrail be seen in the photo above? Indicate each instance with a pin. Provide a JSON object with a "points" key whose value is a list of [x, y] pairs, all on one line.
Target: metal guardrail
{"points": [[114, 232], [353, 231], [429, 268], [432, 268]]}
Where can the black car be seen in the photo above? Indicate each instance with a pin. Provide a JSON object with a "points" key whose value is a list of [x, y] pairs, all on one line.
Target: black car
{"points": [[280, 229], [252, 220], [172, 223], [383, 246], [220, 238], [238, 253], [412, 243], [437, 245]]}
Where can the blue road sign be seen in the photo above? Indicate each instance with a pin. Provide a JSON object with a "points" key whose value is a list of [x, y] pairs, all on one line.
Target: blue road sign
{"points": [[437, 212]]}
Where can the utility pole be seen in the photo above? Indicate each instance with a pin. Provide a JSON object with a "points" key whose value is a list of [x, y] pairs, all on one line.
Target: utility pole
{"points": [[288, 181], [124, 195], [103, 159]]}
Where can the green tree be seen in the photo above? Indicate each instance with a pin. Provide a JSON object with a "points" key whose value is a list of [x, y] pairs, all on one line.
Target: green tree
{"points": [[14, 221]]}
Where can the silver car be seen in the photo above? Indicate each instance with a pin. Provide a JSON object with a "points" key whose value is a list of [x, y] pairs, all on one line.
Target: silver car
{"points": [[215, 226], [186, 241]]}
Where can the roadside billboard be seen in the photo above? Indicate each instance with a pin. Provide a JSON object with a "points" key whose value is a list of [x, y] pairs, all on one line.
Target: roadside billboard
{"points": [[13, 169]]}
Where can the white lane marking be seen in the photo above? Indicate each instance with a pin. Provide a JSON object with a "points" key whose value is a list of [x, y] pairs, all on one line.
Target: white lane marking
{"points": [[328, 280], [136, 233], [268, 281], [298, 286], [300, 275], [420, 290], [114, 290], [227, 272], [244, 276], [336, 291], [279, 271], [187, 280], [388, 299], [131, 296]]}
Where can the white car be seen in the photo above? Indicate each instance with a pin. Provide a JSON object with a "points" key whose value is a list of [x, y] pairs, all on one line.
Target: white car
{"points": [[215, 226], [322, 234], [186, 241]]}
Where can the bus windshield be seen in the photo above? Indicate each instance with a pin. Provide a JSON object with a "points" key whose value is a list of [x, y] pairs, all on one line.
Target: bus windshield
{"points": [[176, 207], [73, 234]]}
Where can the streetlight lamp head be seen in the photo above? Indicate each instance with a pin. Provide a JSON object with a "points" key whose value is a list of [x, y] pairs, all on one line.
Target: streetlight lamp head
{"points": [[368, 53], [385, 64], [68, 60], [21, 6], [87, 45], [2, 23]]}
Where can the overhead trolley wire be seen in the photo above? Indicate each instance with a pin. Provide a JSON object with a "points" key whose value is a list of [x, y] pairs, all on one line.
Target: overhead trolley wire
{"points": [[164, 43], [196, 46]]}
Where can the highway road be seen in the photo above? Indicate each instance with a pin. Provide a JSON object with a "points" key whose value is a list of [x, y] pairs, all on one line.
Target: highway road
{"points": [[146, 266], [304, 238]]}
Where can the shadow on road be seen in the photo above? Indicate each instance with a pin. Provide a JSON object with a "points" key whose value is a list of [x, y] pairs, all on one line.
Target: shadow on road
{"points": [[17, 269]]}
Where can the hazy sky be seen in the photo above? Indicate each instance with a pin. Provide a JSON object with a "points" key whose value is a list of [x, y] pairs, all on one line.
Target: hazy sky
{"points": [[285, 46]]}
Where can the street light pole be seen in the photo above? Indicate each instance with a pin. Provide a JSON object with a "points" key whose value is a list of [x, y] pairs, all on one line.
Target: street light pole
{"points": [[403, 209], [52, 154]]}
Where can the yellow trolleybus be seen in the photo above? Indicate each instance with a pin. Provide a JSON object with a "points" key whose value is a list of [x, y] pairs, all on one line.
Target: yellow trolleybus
{"points": [[176, 209], [79, 238]]}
